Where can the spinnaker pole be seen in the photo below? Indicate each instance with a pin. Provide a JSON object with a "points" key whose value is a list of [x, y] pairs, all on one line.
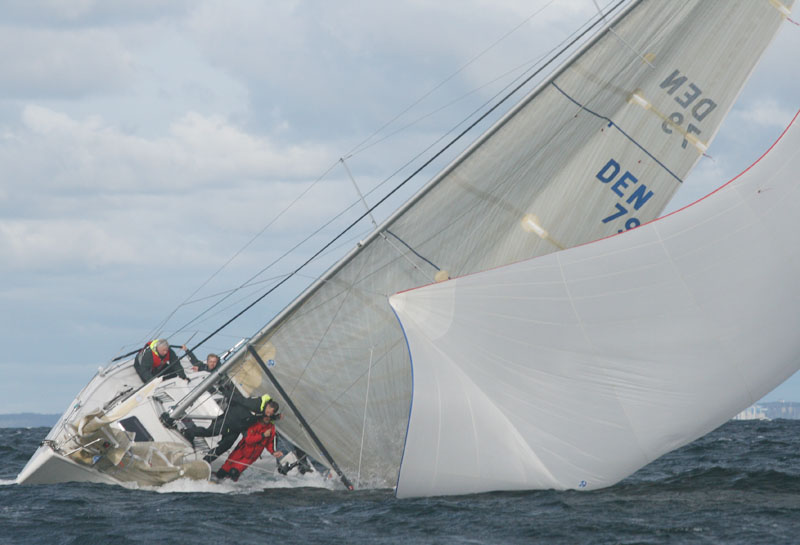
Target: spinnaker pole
{"points": [[300, 417]]}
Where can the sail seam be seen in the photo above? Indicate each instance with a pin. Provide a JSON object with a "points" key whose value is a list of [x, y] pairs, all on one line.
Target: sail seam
{"points": [[596, 353]]}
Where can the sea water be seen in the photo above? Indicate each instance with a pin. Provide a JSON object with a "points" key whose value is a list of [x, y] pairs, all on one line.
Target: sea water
{"points": [[739, 484]]}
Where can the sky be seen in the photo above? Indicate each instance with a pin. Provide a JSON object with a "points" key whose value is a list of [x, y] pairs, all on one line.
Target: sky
{"points": [[144, 145]]}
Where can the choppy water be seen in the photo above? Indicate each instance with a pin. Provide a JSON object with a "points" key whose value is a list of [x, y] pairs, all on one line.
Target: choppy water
{"points": [[739, 484]]}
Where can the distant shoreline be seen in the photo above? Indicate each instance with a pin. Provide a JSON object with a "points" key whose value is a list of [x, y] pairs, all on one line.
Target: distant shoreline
{"points": [[28, 420]]}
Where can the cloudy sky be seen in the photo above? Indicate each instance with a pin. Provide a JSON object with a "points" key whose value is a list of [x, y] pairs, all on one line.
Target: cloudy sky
{"points": [[145, 144]]}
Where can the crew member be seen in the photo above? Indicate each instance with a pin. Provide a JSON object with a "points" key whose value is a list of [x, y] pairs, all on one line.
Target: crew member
{"points": [[157, 359], [212, 360], [259, 436], [240, 415]]}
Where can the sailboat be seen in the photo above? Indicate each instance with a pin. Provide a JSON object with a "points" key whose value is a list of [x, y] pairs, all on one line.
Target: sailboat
{"points": [[596, 148]]}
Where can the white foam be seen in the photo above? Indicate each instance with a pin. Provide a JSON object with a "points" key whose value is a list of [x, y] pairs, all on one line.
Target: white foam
{"points": [[249, 483]]}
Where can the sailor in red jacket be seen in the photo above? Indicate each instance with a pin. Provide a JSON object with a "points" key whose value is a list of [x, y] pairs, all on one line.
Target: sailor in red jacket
{"points": [[258, 436]]}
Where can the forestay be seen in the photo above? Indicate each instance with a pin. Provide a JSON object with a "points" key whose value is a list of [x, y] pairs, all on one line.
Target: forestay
{"points": [[575, 369], [597, 149]]}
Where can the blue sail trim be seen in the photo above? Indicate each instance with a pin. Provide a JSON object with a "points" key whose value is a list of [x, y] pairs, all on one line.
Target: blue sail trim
{"points": [[411, 401]]}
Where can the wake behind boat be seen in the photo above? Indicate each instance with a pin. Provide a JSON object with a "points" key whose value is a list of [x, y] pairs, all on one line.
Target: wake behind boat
{"points": [[597, 147]]}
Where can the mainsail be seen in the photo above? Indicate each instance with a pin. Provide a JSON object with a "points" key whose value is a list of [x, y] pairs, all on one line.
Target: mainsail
{"points": [[577, 368], [597, 148]]}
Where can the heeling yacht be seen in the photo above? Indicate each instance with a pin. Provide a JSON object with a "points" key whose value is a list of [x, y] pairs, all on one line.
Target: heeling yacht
{"points": [[117, 431], [113, 433], [595, 148]]}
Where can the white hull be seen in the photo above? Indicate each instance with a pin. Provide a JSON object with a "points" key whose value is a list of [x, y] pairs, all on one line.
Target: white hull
{"points": [[112, 434], [48, 467]]}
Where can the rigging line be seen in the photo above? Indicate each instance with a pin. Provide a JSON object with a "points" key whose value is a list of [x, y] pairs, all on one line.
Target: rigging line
{"points": [[257, 468], [354, 287], [360, 195], [345, 294], [274, 262], [356, 149], [621, 39], [402, 254], [249, 283], [299, 416], [207, 314], [272, 278], [165, 320], [530, 65], [309, 308], [467, 210], [361, 376], [379, 361], [213, 295], [423, 258], [224, 416], [364, 425], [390, 176], [498, 93], [372, 218], [620, 129], [253, 239], [228, 408], [417, 171], [459, 99], [219, 311]]}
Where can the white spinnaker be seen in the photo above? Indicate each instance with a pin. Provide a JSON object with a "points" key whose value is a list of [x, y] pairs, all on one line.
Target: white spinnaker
{"points": [[588, 154], [575, 369]]}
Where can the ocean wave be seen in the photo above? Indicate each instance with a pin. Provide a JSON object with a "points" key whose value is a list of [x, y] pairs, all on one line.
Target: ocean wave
{"points": [[723, 478], [245, 485]]}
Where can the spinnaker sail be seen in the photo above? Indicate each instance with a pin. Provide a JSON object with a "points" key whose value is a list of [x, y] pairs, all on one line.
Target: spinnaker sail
{"points": [[598, 148], [577, 368]]}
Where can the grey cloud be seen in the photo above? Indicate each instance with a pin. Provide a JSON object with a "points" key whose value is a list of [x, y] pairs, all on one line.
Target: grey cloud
{"points": [[88, 13], [44, 63], [54, 152], [338, 65]]}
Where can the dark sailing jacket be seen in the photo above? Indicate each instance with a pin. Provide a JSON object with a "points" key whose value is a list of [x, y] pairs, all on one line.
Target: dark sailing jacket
{"points": [[240, 414], [201, 365], [148, 365]]}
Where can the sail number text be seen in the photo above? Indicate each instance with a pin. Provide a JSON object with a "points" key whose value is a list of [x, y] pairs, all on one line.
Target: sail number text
{"points": [[690, 98], [625, 185]]}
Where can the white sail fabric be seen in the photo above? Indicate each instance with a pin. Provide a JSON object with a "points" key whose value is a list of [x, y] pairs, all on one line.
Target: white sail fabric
{"points": [[598, 149], [574, 369]]}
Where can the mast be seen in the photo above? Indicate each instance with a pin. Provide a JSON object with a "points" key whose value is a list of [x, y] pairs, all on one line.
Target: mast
{"points": [[180, 409]]}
